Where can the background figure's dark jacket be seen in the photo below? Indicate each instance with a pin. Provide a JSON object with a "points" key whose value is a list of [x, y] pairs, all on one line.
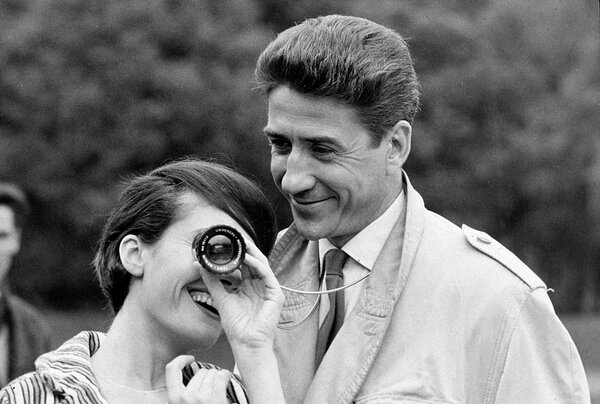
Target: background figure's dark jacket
{"points": [[29, 336]]}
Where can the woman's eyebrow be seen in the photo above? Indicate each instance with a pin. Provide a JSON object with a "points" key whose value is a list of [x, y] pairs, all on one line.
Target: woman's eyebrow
{"points": [[198, 231]]}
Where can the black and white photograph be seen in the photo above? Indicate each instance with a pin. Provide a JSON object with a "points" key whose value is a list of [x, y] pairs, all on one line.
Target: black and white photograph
{"points": [[299, 201]]}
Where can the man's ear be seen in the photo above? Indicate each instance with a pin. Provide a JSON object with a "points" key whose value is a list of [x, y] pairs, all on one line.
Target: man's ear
{"points": [[399, 138], [130, 251]]}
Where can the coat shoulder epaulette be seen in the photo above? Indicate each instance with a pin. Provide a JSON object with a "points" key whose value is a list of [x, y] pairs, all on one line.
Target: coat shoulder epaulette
{"points": [[492, 248]]}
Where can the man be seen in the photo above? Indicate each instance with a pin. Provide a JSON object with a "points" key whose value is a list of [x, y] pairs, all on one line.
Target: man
{"points": [[446, 315], [23, 333]]}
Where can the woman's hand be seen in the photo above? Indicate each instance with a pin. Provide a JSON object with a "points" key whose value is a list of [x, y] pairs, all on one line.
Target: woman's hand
{"points": [[250, 312], [249, 316], [207, 386]]}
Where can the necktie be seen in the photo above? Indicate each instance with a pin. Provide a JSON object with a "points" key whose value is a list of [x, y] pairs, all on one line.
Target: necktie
{"points": [[333, 264]]}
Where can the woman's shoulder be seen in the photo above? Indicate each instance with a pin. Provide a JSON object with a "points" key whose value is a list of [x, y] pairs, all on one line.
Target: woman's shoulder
{"points": [[27, 389]]}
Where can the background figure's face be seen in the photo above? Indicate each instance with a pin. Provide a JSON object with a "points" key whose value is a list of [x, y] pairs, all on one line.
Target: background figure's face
{"points": [[324, 162], [171, 292], [10, 237]]}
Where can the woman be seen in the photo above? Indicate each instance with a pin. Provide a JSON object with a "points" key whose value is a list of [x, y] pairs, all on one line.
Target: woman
{"points": [[166, 304]]}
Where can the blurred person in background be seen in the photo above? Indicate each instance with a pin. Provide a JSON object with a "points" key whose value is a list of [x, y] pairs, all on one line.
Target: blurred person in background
{"points": [[417, 308], [166, 304], [24, 335]]}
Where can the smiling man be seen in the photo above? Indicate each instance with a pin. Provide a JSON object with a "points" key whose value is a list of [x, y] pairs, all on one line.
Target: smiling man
{"points": [[325, 162], [419, 310]]}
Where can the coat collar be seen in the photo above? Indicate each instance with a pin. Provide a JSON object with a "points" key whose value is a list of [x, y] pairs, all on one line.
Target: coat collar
{"points": [[71, 361], [350, 356]]}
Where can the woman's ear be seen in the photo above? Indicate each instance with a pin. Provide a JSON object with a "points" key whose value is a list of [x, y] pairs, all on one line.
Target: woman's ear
{"points": [[130, 251], [399, 138]]}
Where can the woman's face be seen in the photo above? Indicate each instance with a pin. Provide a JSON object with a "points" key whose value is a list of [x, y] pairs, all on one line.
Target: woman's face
{"points": [[173, 295]]}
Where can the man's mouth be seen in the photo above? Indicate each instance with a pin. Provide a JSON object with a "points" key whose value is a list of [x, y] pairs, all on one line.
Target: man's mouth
{"points": [[306, 202], [204, 300]]}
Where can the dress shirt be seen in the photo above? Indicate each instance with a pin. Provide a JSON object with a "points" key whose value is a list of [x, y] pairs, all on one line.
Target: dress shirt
{"points": [[362, 250]]}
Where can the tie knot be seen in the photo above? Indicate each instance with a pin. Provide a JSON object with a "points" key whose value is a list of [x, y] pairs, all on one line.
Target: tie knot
{"points": [[334, 262]]}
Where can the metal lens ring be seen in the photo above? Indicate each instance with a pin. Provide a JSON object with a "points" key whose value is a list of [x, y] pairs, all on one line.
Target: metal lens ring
{"points": [[220, 249]]}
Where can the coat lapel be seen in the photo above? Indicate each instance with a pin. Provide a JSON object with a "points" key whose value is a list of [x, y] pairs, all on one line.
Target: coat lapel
{"points": [[351, 354], [295, 262], [350, 357]]}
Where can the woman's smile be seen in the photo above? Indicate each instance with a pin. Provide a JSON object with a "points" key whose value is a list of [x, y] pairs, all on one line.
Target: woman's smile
{"points": [[204, 300]]}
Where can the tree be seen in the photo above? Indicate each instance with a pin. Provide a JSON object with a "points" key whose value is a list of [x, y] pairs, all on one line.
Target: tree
{"points": [[93, 92]]}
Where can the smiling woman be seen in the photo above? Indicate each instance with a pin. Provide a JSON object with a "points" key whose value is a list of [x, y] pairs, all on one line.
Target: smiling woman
{"points": [[166, 304]]}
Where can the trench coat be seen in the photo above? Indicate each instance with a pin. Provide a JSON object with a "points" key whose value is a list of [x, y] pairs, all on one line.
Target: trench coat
{"points": [[448, 315]]}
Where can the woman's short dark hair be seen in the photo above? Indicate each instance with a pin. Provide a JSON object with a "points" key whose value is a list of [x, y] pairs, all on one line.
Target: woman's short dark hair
{"points": [[347, 59], [150, 204]]}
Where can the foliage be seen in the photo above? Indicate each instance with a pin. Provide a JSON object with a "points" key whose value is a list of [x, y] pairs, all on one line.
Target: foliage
{"points": [[93, 92]]}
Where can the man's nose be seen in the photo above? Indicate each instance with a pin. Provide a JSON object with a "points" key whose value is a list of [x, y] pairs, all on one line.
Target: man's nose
{"points": [[298, 176]]}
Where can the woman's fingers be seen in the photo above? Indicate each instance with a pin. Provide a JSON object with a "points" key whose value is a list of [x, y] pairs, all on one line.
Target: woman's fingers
{"points": [[259, 264], [258, 286], [270, 285], [212, 281], [205, 386], [254, 251], [252, 267], [174, 379], [208, 385]]}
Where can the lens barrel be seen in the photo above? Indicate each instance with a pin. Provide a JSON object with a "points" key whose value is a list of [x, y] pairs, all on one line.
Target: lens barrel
{"points": [[220, 249]]}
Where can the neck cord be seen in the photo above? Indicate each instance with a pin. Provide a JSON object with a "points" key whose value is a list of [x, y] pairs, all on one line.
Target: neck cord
{"points": [[324, 292], [282, 325]]}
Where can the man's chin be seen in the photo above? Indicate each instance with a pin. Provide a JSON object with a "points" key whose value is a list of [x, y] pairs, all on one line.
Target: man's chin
{"points": [[310, 231], [315, 231]]}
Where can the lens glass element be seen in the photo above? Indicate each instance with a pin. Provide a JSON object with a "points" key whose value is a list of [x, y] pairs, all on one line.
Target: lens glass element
{"points": [[220, 249]]}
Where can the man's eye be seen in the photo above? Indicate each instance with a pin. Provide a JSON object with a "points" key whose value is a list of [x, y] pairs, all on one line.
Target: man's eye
{"points": [[323, 151], [279, 145]]}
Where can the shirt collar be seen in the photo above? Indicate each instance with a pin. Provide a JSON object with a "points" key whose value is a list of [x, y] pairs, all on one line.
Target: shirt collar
{"points": [[364, 248]]}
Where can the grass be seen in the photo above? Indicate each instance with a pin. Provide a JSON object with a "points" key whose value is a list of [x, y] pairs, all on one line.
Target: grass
{"points": [[585, 331]]}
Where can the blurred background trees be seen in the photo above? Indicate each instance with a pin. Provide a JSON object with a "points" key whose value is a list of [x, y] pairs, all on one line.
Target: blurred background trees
{"points": [[506, 141]]}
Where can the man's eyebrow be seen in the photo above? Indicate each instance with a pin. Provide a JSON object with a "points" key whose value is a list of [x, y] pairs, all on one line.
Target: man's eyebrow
{"points": [[333, 141], [309, 139], [267, 132]]}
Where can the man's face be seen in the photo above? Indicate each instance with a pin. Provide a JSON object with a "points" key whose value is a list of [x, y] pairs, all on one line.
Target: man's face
{"points": [[10, 237], [324, 162]]}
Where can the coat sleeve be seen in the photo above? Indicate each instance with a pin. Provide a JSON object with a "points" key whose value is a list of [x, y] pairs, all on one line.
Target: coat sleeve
{"points": [[542, 364]]}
